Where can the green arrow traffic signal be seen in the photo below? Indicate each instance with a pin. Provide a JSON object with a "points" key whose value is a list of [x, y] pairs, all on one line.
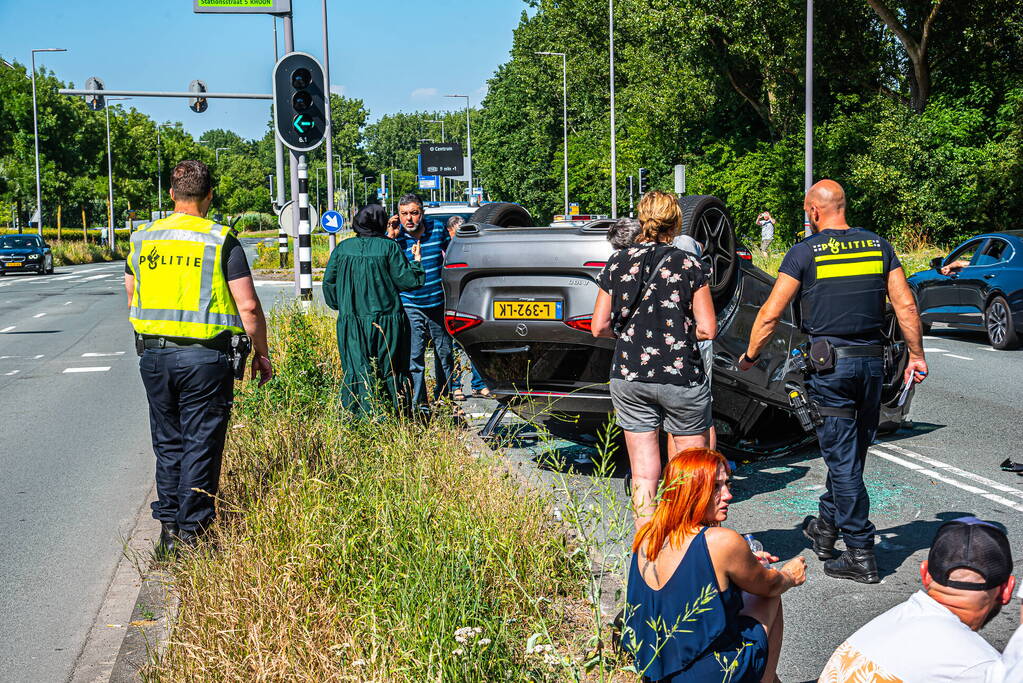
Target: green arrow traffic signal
{"points": [[302, 125]]}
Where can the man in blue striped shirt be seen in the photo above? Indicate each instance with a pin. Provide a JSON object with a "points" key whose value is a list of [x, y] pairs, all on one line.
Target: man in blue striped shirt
{"points": [[425, 306]]}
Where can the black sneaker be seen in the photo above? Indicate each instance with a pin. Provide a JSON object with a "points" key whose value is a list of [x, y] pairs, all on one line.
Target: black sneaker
{"points": [[822, 536], [857, 564]]}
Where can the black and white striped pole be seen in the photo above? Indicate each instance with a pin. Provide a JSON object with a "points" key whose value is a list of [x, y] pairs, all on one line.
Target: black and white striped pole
{"points": [[304, 262], [282, 242]]}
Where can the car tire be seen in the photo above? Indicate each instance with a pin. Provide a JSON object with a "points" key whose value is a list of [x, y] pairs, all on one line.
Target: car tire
{"points": [[998, 323], [503, 215], [706, 219], [50, 269]]}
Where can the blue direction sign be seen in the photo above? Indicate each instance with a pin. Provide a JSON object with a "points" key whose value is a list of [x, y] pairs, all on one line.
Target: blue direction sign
{"points": [[332, 221]]}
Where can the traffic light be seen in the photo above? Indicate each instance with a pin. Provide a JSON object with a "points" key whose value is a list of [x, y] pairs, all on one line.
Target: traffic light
{"points": [[197, 104], [643, 179], [94, 102], [299, 92]]}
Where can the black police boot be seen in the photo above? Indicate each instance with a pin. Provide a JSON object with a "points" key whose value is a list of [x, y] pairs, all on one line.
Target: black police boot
{"points": [[188, 538], [857, 564], [168, 543], [822, 535]]}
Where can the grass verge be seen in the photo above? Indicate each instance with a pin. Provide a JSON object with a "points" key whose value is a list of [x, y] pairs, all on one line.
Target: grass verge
{"points": [[913, 260], [368, 550], [268, 257], [70, 253]]}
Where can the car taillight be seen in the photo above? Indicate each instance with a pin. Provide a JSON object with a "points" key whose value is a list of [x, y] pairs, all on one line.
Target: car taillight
{"points": [[456, 322], [594, 264], [744, 254], [456, 265], [583, 323]]}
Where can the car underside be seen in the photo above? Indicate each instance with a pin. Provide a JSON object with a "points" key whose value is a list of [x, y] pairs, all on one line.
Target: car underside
{"points": [[519, 299]]}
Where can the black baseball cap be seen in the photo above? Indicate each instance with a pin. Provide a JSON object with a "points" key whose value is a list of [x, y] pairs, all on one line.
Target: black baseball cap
{"points": [[970, 543]]}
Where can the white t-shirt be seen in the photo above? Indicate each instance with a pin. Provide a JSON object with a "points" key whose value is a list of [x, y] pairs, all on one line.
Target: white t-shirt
{"points": [[921, 641], [766, 229]]}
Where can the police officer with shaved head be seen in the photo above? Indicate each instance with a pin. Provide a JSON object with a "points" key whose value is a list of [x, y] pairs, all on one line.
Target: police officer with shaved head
{"points": [[841, 276], [196, 316]]}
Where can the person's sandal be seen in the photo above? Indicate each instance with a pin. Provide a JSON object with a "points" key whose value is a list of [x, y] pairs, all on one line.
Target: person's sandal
{"points": [[458, 395], [483, 393]]}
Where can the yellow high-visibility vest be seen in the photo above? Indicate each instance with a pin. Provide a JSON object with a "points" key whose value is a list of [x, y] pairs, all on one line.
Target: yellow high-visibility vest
{"points": [[180, 288]]}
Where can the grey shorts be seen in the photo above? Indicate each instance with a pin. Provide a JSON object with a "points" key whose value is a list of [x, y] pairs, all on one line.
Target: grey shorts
{"points": [[645, 407]]}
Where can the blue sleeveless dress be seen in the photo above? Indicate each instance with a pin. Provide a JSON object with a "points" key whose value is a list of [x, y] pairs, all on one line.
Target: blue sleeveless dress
{"points": [[689, 630]]}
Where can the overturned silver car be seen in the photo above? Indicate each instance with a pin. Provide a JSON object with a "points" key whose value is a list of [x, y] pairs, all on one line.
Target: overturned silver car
{"points": [[519, 299]]}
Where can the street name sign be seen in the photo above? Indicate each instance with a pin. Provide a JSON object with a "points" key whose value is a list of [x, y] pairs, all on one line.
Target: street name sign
{"points": [[332, 221], [442, 158], [241, 6]]}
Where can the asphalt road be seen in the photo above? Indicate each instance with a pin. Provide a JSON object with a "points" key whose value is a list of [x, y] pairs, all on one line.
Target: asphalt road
{"points": [[75, 456], [966, 420]]}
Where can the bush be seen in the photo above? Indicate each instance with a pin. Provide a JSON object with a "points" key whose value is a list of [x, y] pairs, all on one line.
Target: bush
{"points": [[255, 222]]}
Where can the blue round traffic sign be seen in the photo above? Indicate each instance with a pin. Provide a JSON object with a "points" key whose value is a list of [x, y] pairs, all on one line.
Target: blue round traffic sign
{"points": [[332, 221]]}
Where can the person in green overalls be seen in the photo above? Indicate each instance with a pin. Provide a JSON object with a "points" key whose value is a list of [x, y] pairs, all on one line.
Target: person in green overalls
{"points": [[364, 276]]}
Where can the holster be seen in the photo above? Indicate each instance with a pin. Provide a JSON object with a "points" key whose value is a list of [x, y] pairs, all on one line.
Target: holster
{"points": [[822, 355], [241, 346]]}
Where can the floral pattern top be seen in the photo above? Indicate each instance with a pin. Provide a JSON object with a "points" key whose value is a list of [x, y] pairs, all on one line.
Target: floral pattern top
{"points": [[656, 336]]}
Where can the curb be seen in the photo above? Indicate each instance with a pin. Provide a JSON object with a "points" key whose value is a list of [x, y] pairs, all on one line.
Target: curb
{"points": [[122, 619]]}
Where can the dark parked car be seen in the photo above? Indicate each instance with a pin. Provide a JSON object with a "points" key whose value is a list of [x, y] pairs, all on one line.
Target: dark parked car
{"points": [[519, 298], [984, 291], [24, 253]]}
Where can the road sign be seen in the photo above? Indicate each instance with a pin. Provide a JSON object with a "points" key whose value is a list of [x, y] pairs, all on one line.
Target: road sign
{"points": [[381, 194], [332, 221], [442, 158], [241, 6], [286, 218], [299, 93], [429, 182]]}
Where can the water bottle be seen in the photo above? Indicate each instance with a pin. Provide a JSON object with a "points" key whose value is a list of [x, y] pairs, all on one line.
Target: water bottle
{"points": [[756, 546]]}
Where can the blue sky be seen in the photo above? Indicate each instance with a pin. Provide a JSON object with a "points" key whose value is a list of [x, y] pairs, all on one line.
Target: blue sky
{"points": [[396, 55]]}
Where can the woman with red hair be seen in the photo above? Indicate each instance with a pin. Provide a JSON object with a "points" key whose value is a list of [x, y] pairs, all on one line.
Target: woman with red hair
{"points": [[701, 606]]}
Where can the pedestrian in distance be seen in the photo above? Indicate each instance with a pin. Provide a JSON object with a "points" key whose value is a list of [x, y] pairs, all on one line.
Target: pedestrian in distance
{"points": [[196, 315], [655, 302], [932, 636], [841, 276], [364, 277], [766, 223], [477, 384], [700, 605], [424, 305]]}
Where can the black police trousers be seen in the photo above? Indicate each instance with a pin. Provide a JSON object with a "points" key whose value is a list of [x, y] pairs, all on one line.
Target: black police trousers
{"points": [[854, 383], [190, 392]]}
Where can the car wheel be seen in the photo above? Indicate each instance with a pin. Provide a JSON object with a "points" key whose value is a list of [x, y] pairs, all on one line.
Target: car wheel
{"points": [[49, 269], [705, 219], [998, 321], [502, 214]]}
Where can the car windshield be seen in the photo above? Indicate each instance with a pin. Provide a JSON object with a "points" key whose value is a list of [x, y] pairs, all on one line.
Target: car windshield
{"points": [[18, 242]]}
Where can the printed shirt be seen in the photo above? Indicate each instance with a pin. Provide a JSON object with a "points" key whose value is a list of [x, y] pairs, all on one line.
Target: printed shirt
{"points": [[921, 641], [433, 243], [657, 335], [766, 229]]}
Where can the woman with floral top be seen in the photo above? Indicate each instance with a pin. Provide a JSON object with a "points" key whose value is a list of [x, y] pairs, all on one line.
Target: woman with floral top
{"points": [[655, 301]]}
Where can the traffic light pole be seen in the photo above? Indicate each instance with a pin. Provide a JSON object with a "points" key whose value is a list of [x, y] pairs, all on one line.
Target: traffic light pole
{"points": [[282, 235], [303, 262]]}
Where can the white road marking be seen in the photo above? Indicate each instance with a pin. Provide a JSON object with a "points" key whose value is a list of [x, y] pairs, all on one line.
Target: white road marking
{"points": [[97, 277], [928, 350], [90, 270], [38, 315], [66, 277], [8, 329], [12, 372], [952, 355], [998, 486], [66, 303], [94, 354], [988, 348], [6, 284], [38, 356], [103, 368], [927, 336]]}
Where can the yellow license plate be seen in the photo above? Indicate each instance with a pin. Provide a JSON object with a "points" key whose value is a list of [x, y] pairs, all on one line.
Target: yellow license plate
{"points": [[14, 264], [527, 310]]}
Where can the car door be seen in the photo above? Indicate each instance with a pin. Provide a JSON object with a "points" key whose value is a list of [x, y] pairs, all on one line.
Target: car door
{"points": [[975, 281], [939, 298]]}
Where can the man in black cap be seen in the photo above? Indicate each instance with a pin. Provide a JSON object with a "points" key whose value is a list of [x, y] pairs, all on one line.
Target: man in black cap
{"points": [[932, 636]]}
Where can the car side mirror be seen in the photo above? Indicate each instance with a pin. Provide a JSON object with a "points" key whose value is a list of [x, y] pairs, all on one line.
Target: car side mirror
{"points": [[936, 262]]}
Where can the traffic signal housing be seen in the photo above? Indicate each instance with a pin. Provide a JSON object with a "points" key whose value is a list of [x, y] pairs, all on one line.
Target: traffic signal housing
{"points": [[299, 101], [94, 102], [643, 180], [197, 104]]}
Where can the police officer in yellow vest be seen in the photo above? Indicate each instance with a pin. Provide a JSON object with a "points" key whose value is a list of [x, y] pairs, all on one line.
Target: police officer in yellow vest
{"points": [[841, 276], [192, 303]]}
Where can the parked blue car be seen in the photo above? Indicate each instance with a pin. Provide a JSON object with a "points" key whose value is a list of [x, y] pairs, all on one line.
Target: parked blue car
{"points": [[979, 286], [24, 253]]}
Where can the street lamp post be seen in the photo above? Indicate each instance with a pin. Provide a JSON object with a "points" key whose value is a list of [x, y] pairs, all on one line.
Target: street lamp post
{"points": [[614, 150], [365, 188], [35, 126], [564, 112], [216, 153], [442, 139], [468, 138], [808, 130], [110, 176], [159, 174]]}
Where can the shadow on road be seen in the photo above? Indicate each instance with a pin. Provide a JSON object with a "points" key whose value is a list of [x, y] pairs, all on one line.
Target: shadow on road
{"points": [[917, 429]]}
